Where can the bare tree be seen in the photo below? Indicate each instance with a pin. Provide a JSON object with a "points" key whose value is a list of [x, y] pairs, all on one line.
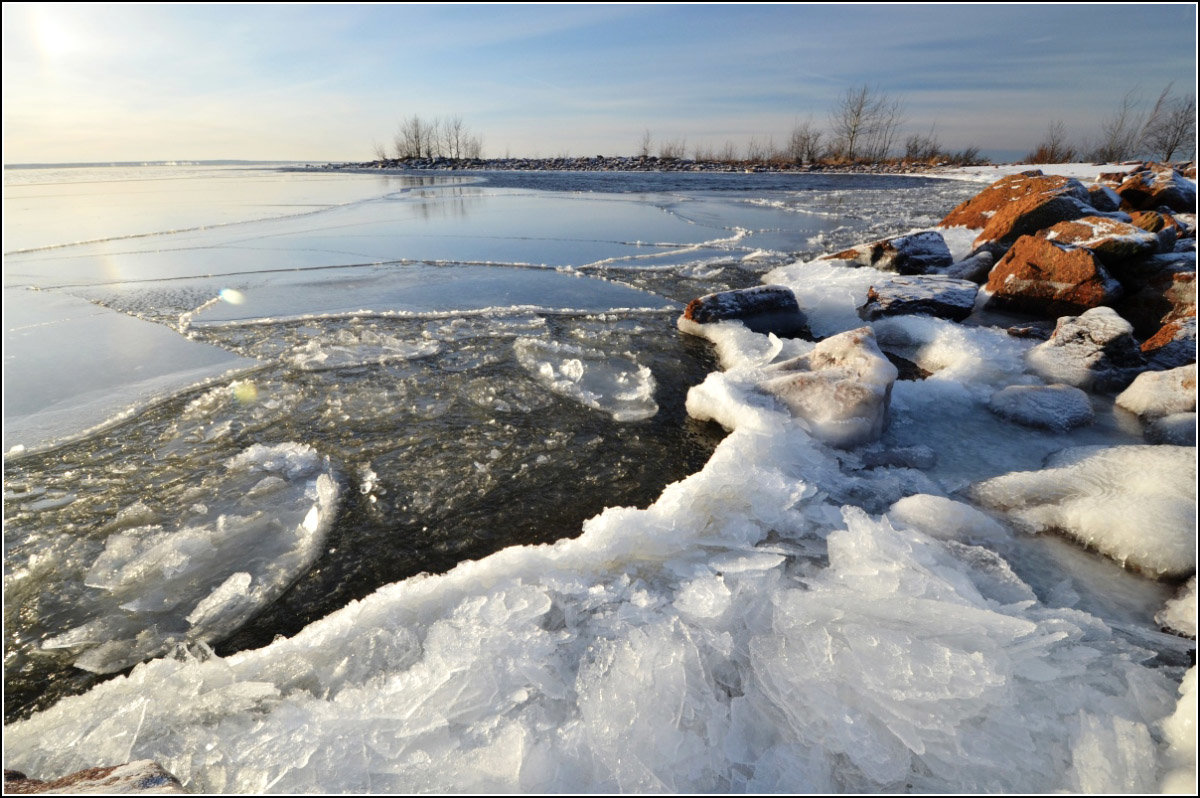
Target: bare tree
{"points": [[804, 144], [865, 123], [757, 150], [380, 151], [922, 148], [1053, 148], [728, 152], [1122, 131], [1172, 126], [646, 144]]}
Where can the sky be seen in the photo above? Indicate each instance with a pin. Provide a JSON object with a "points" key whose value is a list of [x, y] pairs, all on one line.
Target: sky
{"points": [[111, 82]]}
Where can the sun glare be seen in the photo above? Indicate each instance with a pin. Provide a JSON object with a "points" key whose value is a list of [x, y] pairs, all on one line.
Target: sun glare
{"points": [[54, 39]]}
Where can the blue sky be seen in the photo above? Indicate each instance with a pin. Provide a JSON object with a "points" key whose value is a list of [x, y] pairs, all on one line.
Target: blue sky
{"points": [[323, 82]]}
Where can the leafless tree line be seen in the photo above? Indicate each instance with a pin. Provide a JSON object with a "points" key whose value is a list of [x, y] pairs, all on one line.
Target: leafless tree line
{"points": [[436, 138], [1129, 132]]}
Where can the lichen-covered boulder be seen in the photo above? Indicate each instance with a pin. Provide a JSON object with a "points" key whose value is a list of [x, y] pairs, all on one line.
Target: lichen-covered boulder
{"points": [[1044, 278], [1112, 240], [1173, 345], [918, 253], [926, 295], [763, 309], [978, 211], [842, 389], [1094, 351], [1053, 407]]}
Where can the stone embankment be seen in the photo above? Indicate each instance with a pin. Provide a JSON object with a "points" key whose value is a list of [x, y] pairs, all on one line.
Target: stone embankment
{"points": [[611, 163]]}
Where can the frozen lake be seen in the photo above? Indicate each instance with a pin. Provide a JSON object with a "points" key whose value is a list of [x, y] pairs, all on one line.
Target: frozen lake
{"points": [[251, 415]]}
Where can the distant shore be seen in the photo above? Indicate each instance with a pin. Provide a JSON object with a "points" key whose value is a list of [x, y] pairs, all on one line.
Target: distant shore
{"points": [[616, 163]]}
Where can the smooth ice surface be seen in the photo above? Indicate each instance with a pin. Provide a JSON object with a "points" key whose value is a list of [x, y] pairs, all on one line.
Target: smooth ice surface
{"points": [[70, 366], [157, 582], [1134, 503], [619, 386], [1056, 407]]}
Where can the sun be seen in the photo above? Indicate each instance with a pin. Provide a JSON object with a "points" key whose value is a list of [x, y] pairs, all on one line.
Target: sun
{"points": [[54, 38]]}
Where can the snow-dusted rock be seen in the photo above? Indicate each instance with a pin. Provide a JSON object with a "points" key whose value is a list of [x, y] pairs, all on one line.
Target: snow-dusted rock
{"points": [[1112, 240], [1093, 351], [1136, 504], [763, 309], [926, 295], [1154, 394], [918, 253], [1159, 186], [1177, 429], [1053, 407], [141, 777], [1173, 345], [1044, 278], [842, 388], [998, 198], [1103, 198]]}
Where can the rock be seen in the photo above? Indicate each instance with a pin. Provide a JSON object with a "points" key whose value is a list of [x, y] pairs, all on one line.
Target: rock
{"points": [[842, 388], [1038, 330], [926, 295], [1111, 240], [1177, 429], [1103, 198], [1043, 278], [1053, 407], [1157, 187], [977, 212], [974, 268], [1161, 299], [1172, 346], [1161, 393], [143, 776], [906, 369], [763, 309], [1094, 351], [918, 253], [1135, 504]]}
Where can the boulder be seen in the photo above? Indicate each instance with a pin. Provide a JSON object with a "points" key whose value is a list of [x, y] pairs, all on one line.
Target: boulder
{"points": [[1103, 198], [978, 211], [842, 388], [763, 309], [1053, 407], [1094, 351], [1172, 346], [1161, 299], [1135, 504], [1110, 239], [926, 295], [974, 268], [1157, 187], [143, 776], [1177, 429], [1044, 278], [1161, 393], [918, 253]]}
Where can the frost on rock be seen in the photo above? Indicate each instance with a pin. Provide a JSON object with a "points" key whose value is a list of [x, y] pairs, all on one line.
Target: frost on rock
{"points": [[916, 253], [1093, 351], [1154, 394], [157, 586], [928, 295], [1135, 504], [1053, 407], [842, 388], [619, 386], [763, 309], [1180, 613]]}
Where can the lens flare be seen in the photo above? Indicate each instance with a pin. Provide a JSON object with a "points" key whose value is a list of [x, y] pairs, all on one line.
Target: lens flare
{"points": [[233, 296], [244, 391]]}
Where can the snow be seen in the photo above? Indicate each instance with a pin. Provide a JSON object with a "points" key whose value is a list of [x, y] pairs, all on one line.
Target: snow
{"points": [[1180, 612], [619, 386]]}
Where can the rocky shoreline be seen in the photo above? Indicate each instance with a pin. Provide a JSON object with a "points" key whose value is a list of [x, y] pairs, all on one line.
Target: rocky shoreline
{"points": [[616, 163]]}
